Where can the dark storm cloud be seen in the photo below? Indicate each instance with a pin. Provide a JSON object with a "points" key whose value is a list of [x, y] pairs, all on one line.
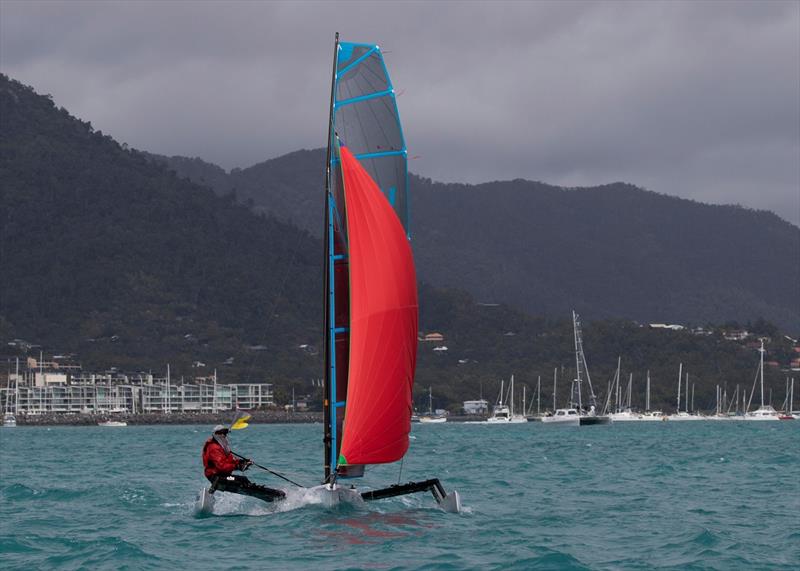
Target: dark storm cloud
{"points": [[700, 100]]}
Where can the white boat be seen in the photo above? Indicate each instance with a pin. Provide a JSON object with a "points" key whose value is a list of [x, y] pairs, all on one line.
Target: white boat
{"points": [[504, 414], [112, 423], [563, 417], [787, 405], [626, 415], [650, 415], [432, 418], [683, 415], [765, 412], [9, 417]]}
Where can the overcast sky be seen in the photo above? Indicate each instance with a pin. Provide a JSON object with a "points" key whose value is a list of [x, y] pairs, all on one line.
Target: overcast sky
{"points": [[699, 100]]}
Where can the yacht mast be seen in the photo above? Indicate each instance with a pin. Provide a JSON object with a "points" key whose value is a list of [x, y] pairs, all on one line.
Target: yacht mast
{"points": [[761, 370], [680, 375]]}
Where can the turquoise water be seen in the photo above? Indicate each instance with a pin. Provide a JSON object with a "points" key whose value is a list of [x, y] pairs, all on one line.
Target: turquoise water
{"points": [[706, 495]]}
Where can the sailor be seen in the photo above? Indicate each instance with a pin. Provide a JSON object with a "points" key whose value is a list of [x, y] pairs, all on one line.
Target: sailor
{"points": [[219, 463]]}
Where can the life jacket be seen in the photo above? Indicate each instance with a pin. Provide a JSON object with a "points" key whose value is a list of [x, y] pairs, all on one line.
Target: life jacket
{"points": [[216, 462]]}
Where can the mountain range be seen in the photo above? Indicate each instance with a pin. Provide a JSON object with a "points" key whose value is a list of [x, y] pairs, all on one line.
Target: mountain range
{"points": [[612, 251]]}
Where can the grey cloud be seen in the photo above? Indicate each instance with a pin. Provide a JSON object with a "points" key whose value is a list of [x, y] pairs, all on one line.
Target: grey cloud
{"points": [[700, 100]]}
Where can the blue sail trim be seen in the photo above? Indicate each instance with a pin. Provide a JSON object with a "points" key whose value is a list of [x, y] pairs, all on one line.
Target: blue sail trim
{"points": [[402, 151], [356, 62]]}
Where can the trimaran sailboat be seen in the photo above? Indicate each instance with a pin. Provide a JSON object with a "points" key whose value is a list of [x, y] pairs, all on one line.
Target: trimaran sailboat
{"points": [[371, 307]]}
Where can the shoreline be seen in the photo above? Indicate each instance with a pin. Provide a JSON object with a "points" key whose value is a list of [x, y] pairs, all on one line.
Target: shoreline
{"points": [[258, 417]]}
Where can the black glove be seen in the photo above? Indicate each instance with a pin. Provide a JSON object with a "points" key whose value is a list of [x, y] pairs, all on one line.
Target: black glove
{"points": [[245, 464]]}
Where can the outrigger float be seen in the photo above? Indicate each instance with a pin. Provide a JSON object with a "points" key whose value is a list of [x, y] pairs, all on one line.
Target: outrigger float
{"points": [[371, 304]]}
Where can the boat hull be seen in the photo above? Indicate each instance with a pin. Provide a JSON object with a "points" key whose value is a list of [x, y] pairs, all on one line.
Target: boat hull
{"points": [[594, 420], [205, 502], [559, 421]]}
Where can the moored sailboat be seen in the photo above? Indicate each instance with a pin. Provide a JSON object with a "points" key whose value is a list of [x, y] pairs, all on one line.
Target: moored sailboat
{"points": [[504, 413], [431, 417], [765, 412], [588, 416]]}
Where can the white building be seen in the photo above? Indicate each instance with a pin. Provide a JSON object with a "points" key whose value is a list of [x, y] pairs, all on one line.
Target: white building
{"points": [[476, 406]]}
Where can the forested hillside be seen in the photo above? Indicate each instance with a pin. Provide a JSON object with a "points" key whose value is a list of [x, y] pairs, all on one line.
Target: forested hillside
{"points": [[613, 251]]}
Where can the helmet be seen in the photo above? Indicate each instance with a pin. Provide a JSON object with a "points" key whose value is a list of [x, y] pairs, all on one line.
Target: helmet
{"points": [[220, 428]]}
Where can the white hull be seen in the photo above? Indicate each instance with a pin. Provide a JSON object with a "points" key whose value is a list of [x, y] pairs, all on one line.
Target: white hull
{"points": [[654, 416], [562, 422], [625, 418], [205, 502], [332, 495], [432, 419], [506, 420], [9, 421], [684, 417], [112, 423], [762, 414]]}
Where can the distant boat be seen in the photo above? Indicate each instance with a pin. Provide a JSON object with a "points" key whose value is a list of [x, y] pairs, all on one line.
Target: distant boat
{"points": [[563, 417], [623, 414], [787, 409], [9, 418], [650, 415], [504, 414], [590, 416], [765, 412], [683, 415], [112, 423], [432, 418]]}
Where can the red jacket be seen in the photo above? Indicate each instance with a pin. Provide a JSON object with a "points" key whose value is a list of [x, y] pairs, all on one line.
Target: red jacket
{"points": [[216, 462]]}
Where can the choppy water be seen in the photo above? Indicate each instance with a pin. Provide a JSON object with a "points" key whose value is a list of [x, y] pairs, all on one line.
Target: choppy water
{"points": [[670, 496]]}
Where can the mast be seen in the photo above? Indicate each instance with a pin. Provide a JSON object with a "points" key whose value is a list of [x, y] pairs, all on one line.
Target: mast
{"points": [[555, 379], [511, 403], [647, 393], [686, 390], [167, 399], [329, 391], [430, 401], [539, 394], [630, 387], [761, 370], [680, 375]]}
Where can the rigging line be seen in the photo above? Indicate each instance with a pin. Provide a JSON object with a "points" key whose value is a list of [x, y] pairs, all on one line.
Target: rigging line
{"points": [[400, 473]]}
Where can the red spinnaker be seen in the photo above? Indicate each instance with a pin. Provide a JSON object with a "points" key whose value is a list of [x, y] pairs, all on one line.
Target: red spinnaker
{"points": [[383, 324]]}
